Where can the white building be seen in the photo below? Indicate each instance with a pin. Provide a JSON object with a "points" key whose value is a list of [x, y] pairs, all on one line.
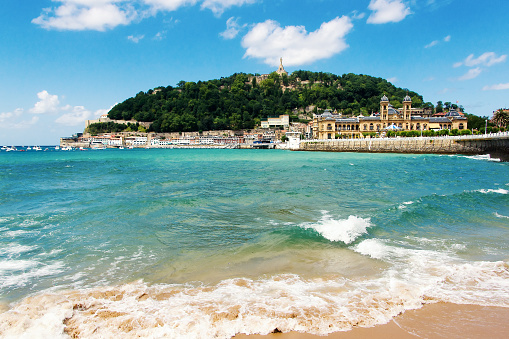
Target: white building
{"points": [[281, 121]]}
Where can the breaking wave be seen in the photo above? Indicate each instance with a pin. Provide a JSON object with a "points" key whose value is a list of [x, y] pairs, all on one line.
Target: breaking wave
{"points": [[344, 230]]}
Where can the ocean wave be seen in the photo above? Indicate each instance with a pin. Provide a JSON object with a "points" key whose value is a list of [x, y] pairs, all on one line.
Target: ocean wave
{"points": [[286, 302], [485, 157], [23, 272], [442, 276], [344, 230], [16, 249], [501, 216], [499, 191], [405, 204]]}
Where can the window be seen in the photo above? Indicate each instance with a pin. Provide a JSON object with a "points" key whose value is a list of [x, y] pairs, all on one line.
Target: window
{"points": [[371, 126], [461, 126], [329, 127]]}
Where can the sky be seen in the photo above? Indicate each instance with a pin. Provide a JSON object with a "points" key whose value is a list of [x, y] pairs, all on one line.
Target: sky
{"points": [[63, 62]]}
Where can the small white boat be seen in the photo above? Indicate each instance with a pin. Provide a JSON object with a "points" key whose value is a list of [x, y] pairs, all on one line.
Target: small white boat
{"points": [[37, 148], [57, 148]]}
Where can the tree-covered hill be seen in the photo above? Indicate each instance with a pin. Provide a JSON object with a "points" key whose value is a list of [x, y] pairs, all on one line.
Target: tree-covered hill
{"points": [[240, 102]]}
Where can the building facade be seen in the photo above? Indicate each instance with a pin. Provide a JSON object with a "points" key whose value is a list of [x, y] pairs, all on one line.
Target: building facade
{"points": [[329, 125], [275, 122]]}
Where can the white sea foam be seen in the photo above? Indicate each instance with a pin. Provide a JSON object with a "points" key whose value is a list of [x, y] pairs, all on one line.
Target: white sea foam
{"points": [[441, 275], [485, 157], [286, 302], [344, 230], [405, 204], [501, 216], [23, 272], [499, 191], [16, 249], [17, 233], [16, 265]]}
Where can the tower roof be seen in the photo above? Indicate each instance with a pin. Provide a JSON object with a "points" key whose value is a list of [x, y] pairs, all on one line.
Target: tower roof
{"points": [[407, 98], [384, 98]]}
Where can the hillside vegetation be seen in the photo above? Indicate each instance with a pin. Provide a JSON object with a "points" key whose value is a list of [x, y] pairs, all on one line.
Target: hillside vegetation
{"points": [[240, 102]]}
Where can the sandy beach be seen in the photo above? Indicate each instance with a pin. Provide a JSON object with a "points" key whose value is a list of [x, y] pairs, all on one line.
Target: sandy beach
{"points": [[441, 320]]}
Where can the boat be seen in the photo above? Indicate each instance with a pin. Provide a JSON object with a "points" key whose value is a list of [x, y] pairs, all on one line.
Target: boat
{"points": [[37, 148]]}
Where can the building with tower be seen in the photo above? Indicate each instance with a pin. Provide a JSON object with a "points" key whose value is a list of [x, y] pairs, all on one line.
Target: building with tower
{"points": [[329, 125]]}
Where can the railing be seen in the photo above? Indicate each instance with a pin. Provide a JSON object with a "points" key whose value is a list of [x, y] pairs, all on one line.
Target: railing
{"points": [[445, 137]]}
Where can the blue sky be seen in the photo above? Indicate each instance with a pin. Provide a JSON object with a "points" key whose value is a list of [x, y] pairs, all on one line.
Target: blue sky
{"points": [[65, 61]]}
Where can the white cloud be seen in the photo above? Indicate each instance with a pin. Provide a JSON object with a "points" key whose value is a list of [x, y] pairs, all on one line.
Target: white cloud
{"points": [[269, 41], [159, 36], [136, 38], [47, 104], [497, 87], [385, 11], [357, 16], [487, 59], [392, 80], [232, 28], [77, 116], [471, 74], [436, 42], [169, 5], [219, 6], [101, 15], [80, 15], [431, 44], [14, 120]]}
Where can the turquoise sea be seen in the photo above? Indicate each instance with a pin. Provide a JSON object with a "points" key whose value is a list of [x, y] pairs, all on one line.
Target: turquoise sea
{"points": [[184, 243]]}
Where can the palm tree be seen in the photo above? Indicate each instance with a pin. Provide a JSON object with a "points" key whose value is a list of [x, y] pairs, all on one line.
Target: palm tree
{"points": [[500, 118]]}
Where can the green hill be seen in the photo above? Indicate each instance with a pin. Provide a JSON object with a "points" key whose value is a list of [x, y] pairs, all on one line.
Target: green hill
{"points": [[240, 101]]}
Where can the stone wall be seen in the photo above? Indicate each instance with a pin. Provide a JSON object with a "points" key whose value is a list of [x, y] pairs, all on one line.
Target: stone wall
{"points": [[498, 143]]}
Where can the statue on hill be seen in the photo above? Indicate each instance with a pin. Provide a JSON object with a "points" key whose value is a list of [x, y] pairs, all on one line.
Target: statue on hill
{"points": [[281, 69]]}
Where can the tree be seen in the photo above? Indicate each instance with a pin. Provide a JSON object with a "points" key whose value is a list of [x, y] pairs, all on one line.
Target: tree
{"points": [[500, 118], [476, 122], [439, 107]]}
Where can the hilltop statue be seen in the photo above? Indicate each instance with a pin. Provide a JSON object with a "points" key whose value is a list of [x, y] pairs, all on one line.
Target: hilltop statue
{"points": [[281, 69]]}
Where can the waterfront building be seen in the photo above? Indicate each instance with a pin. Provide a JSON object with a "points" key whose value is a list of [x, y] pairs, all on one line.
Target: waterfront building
{"points": [[274, 122], [329, 125]]}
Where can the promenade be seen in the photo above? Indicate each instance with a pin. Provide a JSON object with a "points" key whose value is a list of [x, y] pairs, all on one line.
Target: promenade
{"points": [[466, 144]]}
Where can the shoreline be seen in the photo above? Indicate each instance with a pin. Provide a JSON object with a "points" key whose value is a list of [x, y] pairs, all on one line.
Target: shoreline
{"points": [[439, 320]]}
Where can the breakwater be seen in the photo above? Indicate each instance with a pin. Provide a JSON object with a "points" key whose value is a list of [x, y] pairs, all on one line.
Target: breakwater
{"points": [[470, 144]]}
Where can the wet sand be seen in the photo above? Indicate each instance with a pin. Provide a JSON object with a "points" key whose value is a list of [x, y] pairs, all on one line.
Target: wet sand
{"points": [[441, 320]]}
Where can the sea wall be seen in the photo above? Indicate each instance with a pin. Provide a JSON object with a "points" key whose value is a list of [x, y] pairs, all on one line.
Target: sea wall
{"points": [[472, 144]]}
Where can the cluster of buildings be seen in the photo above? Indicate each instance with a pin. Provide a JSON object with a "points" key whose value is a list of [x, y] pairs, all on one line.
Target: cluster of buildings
{"points": [[329, 125], [231, 139]]}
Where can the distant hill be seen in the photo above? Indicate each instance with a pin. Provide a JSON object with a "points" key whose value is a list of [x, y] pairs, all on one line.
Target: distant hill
{"points": [[241, 100]]}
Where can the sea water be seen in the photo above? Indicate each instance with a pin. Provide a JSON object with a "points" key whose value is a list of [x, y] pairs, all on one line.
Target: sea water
{"points": [[186, 243]]}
